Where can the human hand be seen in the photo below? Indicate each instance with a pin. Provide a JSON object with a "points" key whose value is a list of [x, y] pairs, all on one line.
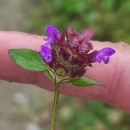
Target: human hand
{"points": [[115, 75]]}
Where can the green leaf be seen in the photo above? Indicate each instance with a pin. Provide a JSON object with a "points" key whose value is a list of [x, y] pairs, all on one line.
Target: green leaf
{"points": [[28, 59], [84, 81]]}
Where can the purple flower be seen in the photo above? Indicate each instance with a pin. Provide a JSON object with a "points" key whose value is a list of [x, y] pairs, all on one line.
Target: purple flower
{"points": [[52, 33], [104, 54], [68, 54], [46, 54]]}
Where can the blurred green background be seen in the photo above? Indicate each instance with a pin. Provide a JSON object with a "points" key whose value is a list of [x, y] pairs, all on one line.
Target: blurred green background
{"points": [[108, 18]]}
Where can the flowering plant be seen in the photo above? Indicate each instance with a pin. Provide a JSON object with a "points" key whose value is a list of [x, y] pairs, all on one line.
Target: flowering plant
{"points": [[63, 58]]}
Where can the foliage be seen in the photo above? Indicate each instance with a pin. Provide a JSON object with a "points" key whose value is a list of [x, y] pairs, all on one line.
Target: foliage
{"points": [[84, 81], [28, 59], [109, 19]]}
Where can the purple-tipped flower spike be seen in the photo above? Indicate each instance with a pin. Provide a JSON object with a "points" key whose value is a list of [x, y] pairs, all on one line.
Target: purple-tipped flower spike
{"points": [[46, 54], [68, 54], [52, 33], [104, 54]]}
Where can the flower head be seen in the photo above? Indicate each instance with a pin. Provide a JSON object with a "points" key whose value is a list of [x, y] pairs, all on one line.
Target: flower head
{"points": [[69, 53]]}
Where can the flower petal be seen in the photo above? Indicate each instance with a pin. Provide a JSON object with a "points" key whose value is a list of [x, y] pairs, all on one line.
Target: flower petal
{"points": [[99, 58], [46, 54], [52, 32], [103, 55], [105, 59], [107, 51], [87, 34]]}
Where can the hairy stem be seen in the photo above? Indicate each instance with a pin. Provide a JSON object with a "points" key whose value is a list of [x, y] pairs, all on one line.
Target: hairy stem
{"points": [[55, 107]]}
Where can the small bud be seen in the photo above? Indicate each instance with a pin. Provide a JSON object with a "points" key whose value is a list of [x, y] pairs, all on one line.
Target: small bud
{"points": [[60, 71]]}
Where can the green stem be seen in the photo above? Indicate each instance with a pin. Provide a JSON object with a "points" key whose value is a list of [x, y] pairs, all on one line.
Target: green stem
{"points": [[55, 106]]}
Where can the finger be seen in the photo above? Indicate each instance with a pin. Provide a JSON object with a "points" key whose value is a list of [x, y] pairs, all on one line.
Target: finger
{"points": [[8, 69], [115, 75]]}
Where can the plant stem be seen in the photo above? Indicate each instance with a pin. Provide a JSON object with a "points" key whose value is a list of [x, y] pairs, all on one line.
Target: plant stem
{"points": [[55, 107]]}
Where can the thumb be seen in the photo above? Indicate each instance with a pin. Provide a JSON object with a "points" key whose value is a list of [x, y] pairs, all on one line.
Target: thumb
{"points": [[115, 75]]}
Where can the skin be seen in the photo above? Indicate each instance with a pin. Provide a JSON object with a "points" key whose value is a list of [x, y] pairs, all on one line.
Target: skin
{"points": [[115, 75]]}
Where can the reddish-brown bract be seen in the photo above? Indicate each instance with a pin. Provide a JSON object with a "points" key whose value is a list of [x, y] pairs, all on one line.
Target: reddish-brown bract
{"points": [[71, 52]]}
